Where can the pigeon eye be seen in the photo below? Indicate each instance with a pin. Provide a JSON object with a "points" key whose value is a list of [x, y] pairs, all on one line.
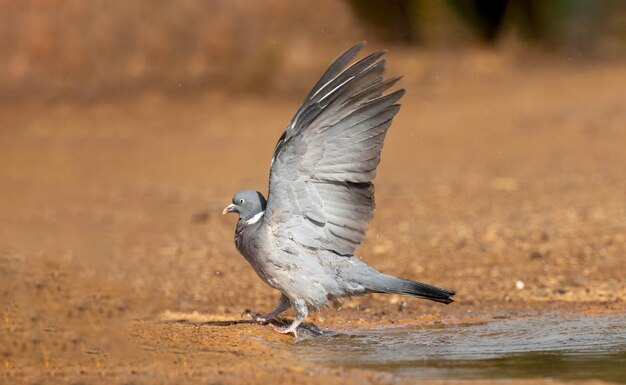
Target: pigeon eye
{"points": [[241, 201]]}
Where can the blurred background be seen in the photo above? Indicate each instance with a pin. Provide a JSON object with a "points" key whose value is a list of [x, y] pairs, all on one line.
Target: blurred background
{"points": [[127, 126], [83, 51]]}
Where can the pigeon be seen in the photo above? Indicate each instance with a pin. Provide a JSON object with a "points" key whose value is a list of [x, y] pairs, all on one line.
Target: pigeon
{"points": [[301, 240]]}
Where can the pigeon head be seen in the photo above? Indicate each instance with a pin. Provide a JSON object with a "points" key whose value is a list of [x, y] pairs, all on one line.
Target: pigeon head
{"points": [[249, 204]]}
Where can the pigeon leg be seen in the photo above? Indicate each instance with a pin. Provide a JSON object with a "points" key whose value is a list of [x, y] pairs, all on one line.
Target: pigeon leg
{"points": [[283, 305], [301, 312]]}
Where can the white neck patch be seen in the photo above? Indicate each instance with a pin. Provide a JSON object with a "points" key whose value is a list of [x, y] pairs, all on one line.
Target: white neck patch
{"points": [[255, 218]]}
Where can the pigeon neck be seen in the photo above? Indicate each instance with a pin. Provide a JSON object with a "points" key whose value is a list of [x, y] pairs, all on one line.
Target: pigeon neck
{"points": [[257, 217]]}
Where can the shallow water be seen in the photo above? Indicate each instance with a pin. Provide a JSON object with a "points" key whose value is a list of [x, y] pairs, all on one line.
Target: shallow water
{"points": [[555, 347]]}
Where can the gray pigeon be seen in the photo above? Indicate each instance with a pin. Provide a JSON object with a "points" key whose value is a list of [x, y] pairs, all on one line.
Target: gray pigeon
{"points": [[302, 240]]}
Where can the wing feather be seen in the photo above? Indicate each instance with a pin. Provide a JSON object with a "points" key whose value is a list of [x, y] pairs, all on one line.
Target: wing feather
{"points": [[321, 192]]}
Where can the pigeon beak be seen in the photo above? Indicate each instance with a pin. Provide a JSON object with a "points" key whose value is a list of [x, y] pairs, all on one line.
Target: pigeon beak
{"points": [[229, 209]]}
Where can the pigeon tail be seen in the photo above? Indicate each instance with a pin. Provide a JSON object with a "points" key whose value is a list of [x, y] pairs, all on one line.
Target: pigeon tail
{"points": [[394, 285]]}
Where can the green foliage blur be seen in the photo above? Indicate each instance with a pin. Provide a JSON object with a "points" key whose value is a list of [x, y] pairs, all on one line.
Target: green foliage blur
{"points": [[557, 24]]}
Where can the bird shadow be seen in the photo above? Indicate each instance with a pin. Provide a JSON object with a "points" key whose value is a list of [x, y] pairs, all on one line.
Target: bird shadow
{"points": [[305, 330]]}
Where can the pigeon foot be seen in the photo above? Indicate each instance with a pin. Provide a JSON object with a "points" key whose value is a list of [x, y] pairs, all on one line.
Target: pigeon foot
{"points": [[293, 328], [263, 318]]}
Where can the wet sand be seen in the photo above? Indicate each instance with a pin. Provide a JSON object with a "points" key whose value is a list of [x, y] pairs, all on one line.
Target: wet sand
{"points": [[116, 265]]}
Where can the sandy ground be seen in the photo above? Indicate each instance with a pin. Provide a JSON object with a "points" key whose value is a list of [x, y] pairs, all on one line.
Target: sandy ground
{"points": [[504, 183]]}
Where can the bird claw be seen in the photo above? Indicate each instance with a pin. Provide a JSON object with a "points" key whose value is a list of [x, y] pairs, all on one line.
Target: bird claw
{"points": [[286, 329], [263, 318], [248, 313]]}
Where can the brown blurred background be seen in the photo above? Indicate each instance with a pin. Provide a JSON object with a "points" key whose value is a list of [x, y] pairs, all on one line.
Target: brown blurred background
{"points": [[78, 50]]}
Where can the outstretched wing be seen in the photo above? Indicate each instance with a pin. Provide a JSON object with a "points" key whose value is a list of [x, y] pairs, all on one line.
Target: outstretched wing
{"points": [[321, 193]]}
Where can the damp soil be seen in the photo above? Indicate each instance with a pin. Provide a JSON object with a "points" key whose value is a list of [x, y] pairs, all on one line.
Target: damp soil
{"points": [[505, 184]]}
